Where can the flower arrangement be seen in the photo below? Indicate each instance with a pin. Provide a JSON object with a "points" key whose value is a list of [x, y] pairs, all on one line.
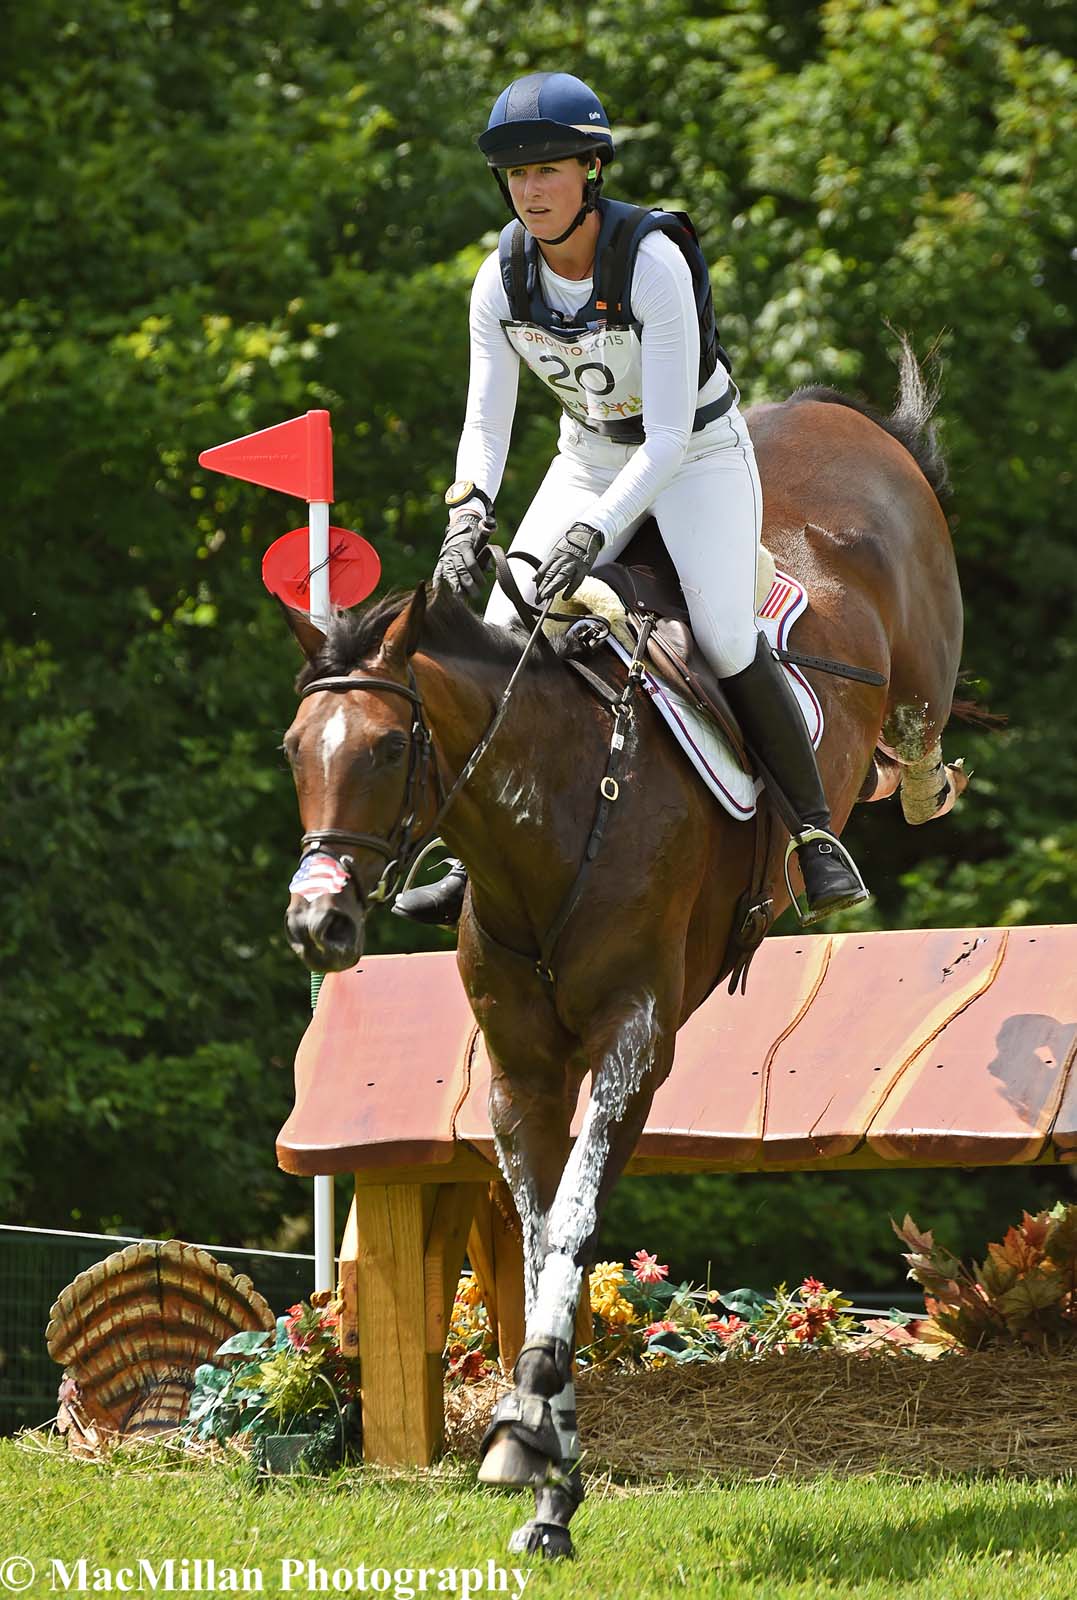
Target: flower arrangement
{"points": [[292, 1381], [1024, 1292], [639, 1317], [471, 1348]]}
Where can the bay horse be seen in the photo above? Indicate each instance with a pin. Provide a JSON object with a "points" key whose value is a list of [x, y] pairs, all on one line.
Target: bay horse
{"points": [[852, 510]]}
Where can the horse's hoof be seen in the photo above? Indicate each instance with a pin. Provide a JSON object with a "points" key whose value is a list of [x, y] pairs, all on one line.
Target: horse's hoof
{"points": [[541, 1538], [959, 775], [510, 1463]]}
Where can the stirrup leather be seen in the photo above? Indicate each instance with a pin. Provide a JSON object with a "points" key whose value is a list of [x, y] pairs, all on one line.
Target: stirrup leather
{"points": [[809, 914]]}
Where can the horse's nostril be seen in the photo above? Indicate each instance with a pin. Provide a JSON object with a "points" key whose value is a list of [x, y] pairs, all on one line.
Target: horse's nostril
{"points": [[334, 929]]}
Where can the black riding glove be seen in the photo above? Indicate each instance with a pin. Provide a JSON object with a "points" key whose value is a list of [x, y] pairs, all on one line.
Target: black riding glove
{"points": [[461, 562], [569, 562]]}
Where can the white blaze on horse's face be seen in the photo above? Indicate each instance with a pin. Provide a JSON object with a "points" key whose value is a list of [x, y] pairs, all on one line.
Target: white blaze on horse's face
{"points": [[334, 734]]}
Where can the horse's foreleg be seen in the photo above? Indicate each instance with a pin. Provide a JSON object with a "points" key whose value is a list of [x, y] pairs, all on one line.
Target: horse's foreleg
{"points": [[531, 1118], [629, 1058], [531, 1133]]}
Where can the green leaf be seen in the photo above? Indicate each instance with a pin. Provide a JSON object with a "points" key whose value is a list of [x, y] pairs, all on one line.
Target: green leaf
{"points": [[247, 1343]]}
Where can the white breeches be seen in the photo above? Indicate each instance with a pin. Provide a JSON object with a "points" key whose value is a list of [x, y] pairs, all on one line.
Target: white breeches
{"points": [[710, 517]]}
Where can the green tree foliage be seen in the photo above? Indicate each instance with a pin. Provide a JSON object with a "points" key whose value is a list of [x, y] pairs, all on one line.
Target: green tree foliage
{"points": [[215, 218]]}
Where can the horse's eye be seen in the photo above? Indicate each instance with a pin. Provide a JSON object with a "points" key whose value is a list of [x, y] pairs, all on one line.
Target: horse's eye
{"points": [[391, 746]]}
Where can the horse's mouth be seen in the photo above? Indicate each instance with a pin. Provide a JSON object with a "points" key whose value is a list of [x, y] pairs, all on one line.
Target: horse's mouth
{"points": [[326, 936]]}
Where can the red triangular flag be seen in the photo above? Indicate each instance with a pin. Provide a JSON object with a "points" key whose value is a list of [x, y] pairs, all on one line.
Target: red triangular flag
{"points": [[295, 457]]}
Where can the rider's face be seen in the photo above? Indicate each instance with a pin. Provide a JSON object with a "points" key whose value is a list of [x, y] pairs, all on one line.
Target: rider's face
{"points": [[547, 195]]}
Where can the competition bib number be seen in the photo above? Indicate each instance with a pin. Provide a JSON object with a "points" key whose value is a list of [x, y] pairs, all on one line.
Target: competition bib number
{"points": [[597, 377]]}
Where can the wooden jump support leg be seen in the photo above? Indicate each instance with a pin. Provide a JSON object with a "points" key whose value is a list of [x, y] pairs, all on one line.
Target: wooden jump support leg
{"points": [[400, 1262]]}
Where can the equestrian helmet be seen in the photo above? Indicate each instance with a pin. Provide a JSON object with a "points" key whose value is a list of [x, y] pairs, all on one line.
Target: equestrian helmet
{"points": [[546, 116]]}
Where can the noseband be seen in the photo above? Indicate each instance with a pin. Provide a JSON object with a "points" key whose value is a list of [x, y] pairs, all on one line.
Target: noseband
{"points": [[396, 847]]}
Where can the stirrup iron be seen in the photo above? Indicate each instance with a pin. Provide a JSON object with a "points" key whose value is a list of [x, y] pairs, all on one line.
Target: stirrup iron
{"points": [[417, 864], [829, 842]]}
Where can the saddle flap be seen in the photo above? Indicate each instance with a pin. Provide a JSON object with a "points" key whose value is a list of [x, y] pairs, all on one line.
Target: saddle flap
{"points": [[676, 658], [645, 579]]}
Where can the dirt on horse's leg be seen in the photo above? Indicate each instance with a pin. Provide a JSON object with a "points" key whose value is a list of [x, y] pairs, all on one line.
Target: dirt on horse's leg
{"points": [[630, 1055], [929, 786], [531, 1127], [531, 1121]]}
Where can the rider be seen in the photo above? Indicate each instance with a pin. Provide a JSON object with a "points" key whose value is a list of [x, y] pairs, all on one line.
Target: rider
{"points": [[610, 305]]}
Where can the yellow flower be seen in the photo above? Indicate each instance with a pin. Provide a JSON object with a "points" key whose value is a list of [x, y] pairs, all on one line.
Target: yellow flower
{"points": [[605, 1279], [616, 1310], [468, 1292]]}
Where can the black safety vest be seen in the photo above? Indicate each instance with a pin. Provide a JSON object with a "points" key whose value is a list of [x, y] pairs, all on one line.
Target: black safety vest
{"points": [[623, 228]]}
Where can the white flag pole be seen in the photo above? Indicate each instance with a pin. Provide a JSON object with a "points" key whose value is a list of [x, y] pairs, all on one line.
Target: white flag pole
{"points": [[325, 1276]]}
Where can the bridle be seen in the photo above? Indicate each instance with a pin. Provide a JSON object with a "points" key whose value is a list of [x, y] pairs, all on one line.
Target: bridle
{"points": [[404, 854], [396, 847]]}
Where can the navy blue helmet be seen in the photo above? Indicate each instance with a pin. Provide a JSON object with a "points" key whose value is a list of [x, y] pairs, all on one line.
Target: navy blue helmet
{"points": [[545, 116]]}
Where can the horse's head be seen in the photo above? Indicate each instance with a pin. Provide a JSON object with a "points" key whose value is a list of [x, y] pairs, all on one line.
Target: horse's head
{"points": [[364, 773]]}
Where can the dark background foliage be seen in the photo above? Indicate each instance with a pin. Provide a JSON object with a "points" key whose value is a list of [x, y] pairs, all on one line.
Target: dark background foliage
{"points": [[213, 219]]}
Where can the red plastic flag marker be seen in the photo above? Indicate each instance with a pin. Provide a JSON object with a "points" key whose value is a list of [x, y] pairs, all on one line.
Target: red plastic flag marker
{"points": [[293, 457], [354, 568]]}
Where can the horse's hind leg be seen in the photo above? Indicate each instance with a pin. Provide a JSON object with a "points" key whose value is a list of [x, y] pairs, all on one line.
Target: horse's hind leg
{"points": [[929, 786]]}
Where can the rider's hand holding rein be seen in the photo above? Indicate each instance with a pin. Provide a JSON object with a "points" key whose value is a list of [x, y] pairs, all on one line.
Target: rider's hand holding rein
{"points": [[569, 562]]}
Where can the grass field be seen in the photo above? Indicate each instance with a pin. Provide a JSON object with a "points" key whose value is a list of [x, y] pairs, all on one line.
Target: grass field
{"points": [[994, 1539]]}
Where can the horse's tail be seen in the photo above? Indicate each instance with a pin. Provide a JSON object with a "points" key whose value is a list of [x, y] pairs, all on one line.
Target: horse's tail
{"points": [[910, 421]]}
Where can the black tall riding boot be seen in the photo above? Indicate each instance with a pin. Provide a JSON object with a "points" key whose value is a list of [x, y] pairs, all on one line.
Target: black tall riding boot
{"points": [[774, 729], [437, 904]]}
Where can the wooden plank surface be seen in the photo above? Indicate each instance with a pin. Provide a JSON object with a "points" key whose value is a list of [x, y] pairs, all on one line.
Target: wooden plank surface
{"points": [[989, 1087], [717, 1113], [878, 1003], [832, 1059], [380, 1069]]}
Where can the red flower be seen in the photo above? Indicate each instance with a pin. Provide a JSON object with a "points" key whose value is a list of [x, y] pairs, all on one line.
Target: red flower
{"points": [[812, 1286], [645, 1268], [470, 1365], [659, 1327], [724, 1327]]}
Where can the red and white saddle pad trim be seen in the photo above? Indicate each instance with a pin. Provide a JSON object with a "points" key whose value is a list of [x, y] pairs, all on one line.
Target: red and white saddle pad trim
{"points": [[699, 735]]}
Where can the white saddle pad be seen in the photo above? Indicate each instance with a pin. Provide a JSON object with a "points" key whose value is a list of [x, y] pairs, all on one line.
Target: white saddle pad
{"points": [[699, 735]]}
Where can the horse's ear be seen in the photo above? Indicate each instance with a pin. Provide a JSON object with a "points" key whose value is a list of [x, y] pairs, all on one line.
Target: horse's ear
{"points": [[402, 636], [308, 635]]}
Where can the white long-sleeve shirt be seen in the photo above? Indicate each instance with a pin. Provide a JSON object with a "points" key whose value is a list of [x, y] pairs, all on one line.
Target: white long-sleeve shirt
{"points": [[663, 301]]}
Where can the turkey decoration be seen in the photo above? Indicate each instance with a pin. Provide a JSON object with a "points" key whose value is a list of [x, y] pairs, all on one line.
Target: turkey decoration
{"points": [[130, 1331]]}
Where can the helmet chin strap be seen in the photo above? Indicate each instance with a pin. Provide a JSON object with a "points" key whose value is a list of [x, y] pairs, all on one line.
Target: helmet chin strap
{"points": [[590, 201]]}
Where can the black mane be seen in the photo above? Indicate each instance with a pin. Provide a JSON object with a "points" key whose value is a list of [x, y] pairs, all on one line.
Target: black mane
{"points": [[450, 627]]}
